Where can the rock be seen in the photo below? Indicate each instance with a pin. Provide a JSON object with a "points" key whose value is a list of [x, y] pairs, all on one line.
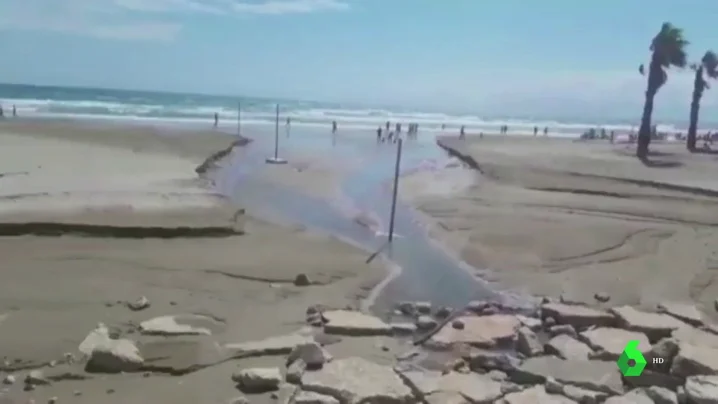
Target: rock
{"points": [[527, 342], [407, 308], [535, 395], [602, 297], [565, 329], [650, 377], [181, 324], [36, 378], [444, 397], [99, 336], [686, 312], [355, 380], [480, 359], [139, 304], [497, 375], [302, 280], [533, 324], [681, 395], [477, 306], [694, 336], [584, 396], [611, 342], [278, 345], [632, 397], [482, 331], [9, 379], [115, 356], [666, 349], [403, 328], [52, 400], [295, 371], [311, 353], [661, 395], [654, 325], [443, 312], [258, 379], [179, 356], [308, 397], [458, 325], [552, 386], [423, 307], [475, 388], [702, 389], [577, 316], [346, 322], [425, 322], [588, 374], [239, 400], [692, 360], [567, 347]]}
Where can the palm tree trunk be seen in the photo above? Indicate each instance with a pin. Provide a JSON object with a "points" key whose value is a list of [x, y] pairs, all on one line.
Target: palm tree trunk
{"points": [[644, 132], [695, 107]]}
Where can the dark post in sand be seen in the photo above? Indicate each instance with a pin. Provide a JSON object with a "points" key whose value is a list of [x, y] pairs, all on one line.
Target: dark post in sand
{"points": [[396, 190], [276, 159]]}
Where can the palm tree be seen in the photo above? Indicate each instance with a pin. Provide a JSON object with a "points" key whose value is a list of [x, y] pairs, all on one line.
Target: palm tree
{"points": [[707, 68], [668, 48]]}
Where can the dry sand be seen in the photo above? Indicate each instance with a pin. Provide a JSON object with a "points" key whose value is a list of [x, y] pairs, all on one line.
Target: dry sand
{"points": [[558, 217], [54, 290]]}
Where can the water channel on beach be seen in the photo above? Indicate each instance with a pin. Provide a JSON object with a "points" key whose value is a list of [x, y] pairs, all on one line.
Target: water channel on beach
{"points": [[428, 271]]}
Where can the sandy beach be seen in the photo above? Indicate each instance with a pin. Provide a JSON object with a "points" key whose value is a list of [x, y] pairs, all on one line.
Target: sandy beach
{"points": [[66, 192], [557, 217]]}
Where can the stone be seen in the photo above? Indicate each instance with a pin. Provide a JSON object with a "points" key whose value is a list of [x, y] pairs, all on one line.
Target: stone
{"points": [[181, 324], [527, 342], [552, 386], [566, 347], [666, 349], [475, 388], [52, 400], [565, 329], [535, 395], [632, 397], [139, 304], [686, 312], [497, 375], [36, 378], [181, 355], [295, 371], [308, 397], [458, 325], [425, 322], [258, 379], [302, 280], [311, 353], [610, 342], [654, 325], [693, 360], [99, 336], [480, 359], [9, 379], [481, 331], [584, 396], [602, 297], [407, 308], [702, 389], [446, 397], [661, 395], [239, 400], [355, 323], [532, 323], [477, 306], [588, 374], [356, 380], [115, 356], [650, 377], [278, 345], [695, 336], [577, 316], [403, 328], [423, 307], [443, 312]]}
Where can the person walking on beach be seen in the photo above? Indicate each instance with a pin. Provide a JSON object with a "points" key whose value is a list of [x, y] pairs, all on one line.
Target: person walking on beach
{"points": [[545, 131], [334, 127], [387, 126], [216, 119], [462, 132], [398, 127], [535, 130], [378, 134], [2, 112], [14, 111]]}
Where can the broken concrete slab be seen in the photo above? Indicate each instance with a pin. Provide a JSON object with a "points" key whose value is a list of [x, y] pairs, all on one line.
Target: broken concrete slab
{"points": [[279, 345], [654, 325], [355, 323], [535, 395], [702, 389], [632, 397], [589, 374], [115, 356], [474, 387], [97, 337], [178, 356], [258, 379], [694, 360], [686, 312], [577, 316], [695, 336], [610, 342], [356, 380], [527, 342], [479, 331], [308, 397], [566, 347], [181, 324]]}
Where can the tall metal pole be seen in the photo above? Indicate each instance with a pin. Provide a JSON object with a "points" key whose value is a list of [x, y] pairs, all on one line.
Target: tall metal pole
{"points": [[239, 118], [276, 134], [396, 190]]}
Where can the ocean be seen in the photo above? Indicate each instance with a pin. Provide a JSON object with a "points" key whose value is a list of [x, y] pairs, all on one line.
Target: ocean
{"points": [[197, 109]]}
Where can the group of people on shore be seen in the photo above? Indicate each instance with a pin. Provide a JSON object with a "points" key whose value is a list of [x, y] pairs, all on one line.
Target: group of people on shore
{"points": [[385, 134], [2, 111]]}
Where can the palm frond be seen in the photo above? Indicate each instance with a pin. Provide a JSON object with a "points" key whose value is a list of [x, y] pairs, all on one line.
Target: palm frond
{"points": [[670, 46], [710, 64]]}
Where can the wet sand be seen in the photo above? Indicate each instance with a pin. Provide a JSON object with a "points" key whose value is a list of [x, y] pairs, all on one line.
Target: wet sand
{"points": [[60, 282], [555, 217]]}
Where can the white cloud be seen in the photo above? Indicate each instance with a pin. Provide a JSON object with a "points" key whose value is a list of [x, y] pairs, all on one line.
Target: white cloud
{"points": [[138, 19]]}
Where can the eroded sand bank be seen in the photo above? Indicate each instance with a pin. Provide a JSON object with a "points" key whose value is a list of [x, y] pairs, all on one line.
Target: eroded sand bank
{"points": [[557, 217]]}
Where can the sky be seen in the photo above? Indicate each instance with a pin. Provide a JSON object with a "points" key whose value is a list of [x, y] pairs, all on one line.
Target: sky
{"points": [[550, 58]]}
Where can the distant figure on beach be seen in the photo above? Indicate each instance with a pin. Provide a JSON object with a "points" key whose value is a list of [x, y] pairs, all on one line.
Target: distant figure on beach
{"points": [[443, 126], [462, 132], [387, 126], [2, 112], [535, 130], [289, 121], [390, 136], [334, 126], [378, 134], [545, 131], [613, 136], [398, 127], [14, 111], [216, 119]]}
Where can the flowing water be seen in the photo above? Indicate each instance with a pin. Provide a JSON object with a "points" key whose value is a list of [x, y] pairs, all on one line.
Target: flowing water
{"points": [[428, 271]]}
